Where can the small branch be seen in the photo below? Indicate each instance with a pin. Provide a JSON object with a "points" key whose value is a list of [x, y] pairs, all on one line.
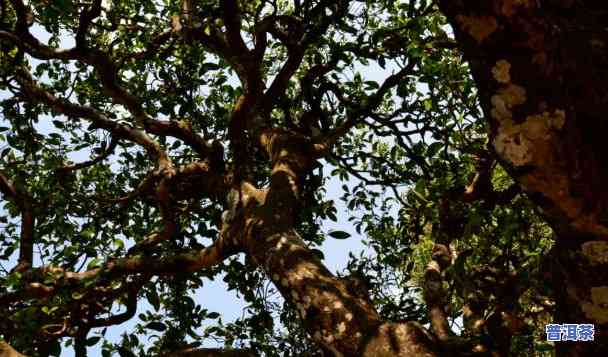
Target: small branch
{"points": [[117, 319], [365, 109], [80, 347], [153, 47], [106, 152], [86, 18], [100, 120], [7, 187], [181, 129]]}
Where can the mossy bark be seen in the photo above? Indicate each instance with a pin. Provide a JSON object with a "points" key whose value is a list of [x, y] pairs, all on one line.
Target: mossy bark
{"points": [[541, 68]]}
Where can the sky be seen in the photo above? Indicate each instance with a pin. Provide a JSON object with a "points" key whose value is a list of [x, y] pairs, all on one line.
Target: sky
{"points": [[214, 295]]}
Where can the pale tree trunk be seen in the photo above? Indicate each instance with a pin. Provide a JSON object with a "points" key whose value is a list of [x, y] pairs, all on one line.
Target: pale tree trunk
{"points": [[7, 351], [541, 68], [340, 320]]}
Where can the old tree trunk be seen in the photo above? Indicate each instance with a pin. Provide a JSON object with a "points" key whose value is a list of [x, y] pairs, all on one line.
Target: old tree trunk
{"points": [[541, 68]]}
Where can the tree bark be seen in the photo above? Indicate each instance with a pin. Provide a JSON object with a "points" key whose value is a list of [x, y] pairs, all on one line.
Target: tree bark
{"points": [[341, 321], [7, 351], [541, 68]]}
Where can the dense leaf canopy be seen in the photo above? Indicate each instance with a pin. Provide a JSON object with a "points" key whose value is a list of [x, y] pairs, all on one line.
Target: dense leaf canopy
{"points": [[148, 146]]}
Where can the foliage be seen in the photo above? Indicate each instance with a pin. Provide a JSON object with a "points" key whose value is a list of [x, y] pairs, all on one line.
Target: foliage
{"points": [[388, 71]]}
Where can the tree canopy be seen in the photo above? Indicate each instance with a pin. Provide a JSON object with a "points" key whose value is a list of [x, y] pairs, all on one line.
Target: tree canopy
{"points": [[149, 146]]}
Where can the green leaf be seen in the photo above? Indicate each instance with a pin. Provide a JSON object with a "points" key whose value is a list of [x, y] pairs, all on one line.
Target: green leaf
{"points": [[123, 352], [94, 263], [213, 315], [157, 326], [434, 148], [49, 310], [153, 298], [92, 341], [55, 348], [382, 62], [119, 243], [339, 234], [58, 124]]}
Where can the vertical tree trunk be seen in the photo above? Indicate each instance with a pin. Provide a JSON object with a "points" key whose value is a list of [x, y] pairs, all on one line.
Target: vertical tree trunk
{"points": [[340, 320], [579, 277], [542, 72]]}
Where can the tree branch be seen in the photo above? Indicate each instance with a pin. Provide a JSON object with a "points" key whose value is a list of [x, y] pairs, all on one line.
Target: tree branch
{"points": [[107, 151], [361, 111], [86, 18], [108, 73], [434, 293], [7, 351], [232, 21], [193, 260], [97, 118]]}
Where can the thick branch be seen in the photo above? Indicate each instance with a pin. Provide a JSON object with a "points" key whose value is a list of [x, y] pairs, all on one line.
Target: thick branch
{"points": [[7, 351], [100, 120], [86, 18], [186, 262], [434, 293], [342, 321], [232, 20]]}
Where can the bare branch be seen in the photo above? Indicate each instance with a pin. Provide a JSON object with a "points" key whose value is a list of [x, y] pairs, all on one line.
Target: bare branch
{"points": [[107, 151], [364, 109]]}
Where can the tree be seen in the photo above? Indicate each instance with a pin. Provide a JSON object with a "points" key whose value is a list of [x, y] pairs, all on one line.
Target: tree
{"points": [[214, 121]]}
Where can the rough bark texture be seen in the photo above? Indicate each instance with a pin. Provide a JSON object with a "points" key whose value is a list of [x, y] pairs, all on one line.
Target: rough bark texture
{"points": [[541, 68], [7, 351], [340, 320]]}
